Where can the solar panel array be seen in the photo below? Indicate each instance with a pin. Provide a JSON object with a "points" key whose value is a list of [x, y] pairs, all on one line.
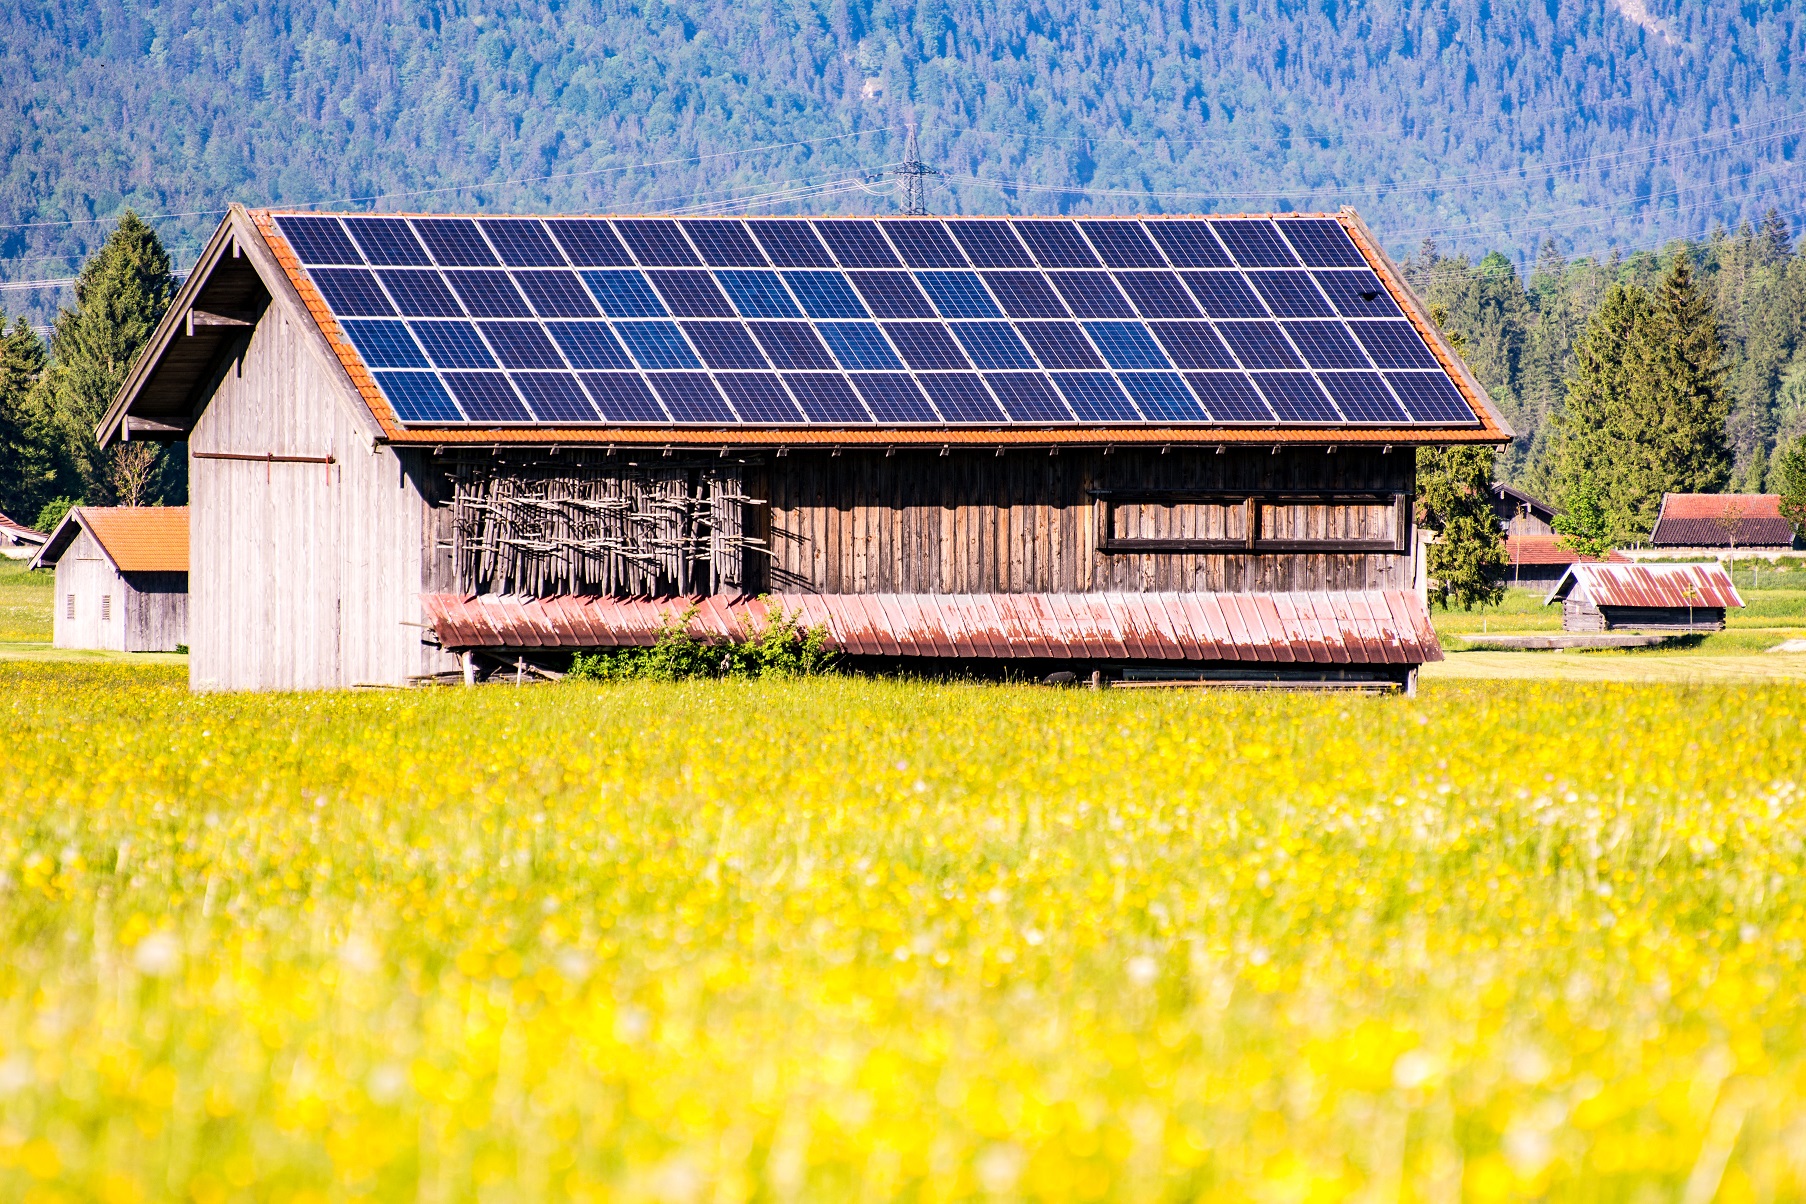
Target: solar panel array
{"points": [[888, 321]]}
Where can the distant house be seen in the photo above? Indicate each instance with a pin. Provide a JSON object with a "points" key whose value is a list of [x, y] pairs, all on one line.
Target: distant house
{"points": [[1541, 560], [1520, 513], [1662, 597], [1713, 522], [17, 541], [121, 577]]}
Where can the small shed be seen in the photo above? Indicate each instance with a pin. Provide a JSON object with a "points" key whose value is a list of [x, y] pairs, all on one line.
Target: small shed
{"points": [[1521, 513], [1718, 522], [17, 541], [121, 578], [1661, 597], [1540, 560]]}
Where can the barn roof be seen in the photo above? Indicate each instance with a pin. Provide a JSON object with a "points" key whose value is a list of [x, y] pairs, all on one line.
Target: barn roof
{"points": [[1710, 520], [1547, 549], [1517, 497], [19, 531], [1672, 586], [137, 539], [1262, 329]]}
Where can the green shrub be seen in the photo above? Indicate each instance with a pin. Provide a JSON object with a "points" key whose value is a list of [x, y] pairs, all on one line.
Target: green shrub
{"points": [[780, 647]]}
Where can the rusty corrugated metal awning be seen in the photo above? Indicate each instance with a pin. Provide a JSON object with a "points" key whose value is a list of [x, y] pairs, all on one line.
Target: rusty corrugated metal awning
{"points": [[1360, 627], [1668, 586]]}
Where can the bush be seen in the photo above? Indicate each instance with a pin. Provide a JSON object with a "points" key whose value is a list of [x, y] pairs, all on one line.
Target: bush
{"points": [[54, 511], [781, 647]]}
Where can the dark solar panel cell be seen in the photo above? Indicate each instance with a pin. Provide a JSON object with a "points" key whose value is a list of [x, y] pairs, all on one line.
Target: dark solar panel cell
{"points": [[962, 397], [590, 345], [454, 242], [758, 294], [859, 346], [993, 345], [791, 244], [452, 344], [555, 397], [1358, 294], [1326, 345], [318, 240], [1163, 397], [1091, 294], [1059, 344], [421, 294], [590, 243], [521, 345], [724, 243], [1028, 397], [387, 241], [827, 397], [1394, 344], [1189, 244], [1259, 345], [1127, 345], [1321, 242], [792, 345], [556, 294], [624, 294], [1025, 295], [1291, 294], [1296, 397], [657, 345], [1158, 294], [759, 397], [623, 397], [523, 243], [894, 397], [825, 294], [1055, 243], [488, 295], [1255, 244], [990, 244], [959, 294], [1225, 295], [1362, 396], [1096, 397], [724, 344], [656, 242], [857, 244], [692, 397], [1229, 396], [1430, 397], [487, 397], [1123, 244], [692, 294], [926, 346], [384, 344], [892, 294], [924, 244], [1192, 344], [351, 293], [418, 397]]}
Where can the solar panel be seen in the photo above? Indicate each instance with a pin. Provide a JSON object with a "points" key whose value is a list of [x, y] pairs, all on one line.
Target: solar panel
{"points": [[454, 242], [487, 397], [1055, 244], [1327, 345], [827, 398], [759, 397], [590, 243], [925, 346], [1229, 397], [488, 295], [859, 346], [892, 294], [1259, 345], [924, 244], [1096, 397], [1321, 242], [623, 397], [452, 344], [420, 294], [857, 244], [692, 294], [318, 240], [1158, 294], [1192, 344], [990, 244], [1025, 295], [1127, 345], [352, 293], [792, 345], [1291, 294], [758, 294], [1255, 244], [791, 244], [418, 397], [724, 345], [1358, 294], [523, 243], [1059, 344], [1296, 397], [555, 397], [657, 345], [1225, 295], [1123, 244], [993, 345], [656, 242], [1363, 397], [1430, 397], [387, 241], [1163, 397], [958, 294], [1092, 295], [1189, 244], [521, 344], [1028, 397], [589, 345], [624, 294], [962, 397], [724, 243], [692, 397], [1393, 344], [825, 294], [384, 344], [556, 294], [894, 397]]}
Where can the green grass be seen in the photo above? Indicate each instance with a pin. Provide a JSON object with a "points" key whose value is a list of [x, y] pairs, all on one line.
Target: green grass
{"points": [[25, 601]]}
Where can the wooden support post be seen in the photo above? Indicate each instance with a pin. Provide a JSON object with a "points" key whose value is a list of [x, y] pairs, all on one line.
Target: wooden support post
{"points": [[520, 670], [470, 667]]}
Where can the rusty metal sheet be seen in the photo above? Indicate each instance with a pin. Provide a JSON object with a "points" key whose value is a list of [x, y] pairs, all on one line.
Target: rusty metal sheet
{"points": [[1669, 586]]}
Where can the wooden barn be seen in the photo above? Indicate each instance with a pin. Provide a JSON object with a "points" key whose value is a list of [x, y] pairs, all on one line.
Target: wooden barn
{"points": [[121, 578], [18, 541], [1648, 597], [1140, 448], [1541, 560], [1722, 524]]}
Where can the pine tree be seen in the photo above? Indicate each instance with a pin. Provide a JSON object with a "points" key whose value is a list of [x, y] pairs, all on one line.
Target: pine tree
{"points": [[1596, 436], [1789, 478], [1774, 237], [1682, 397], [26, 472], [1467, 560]]}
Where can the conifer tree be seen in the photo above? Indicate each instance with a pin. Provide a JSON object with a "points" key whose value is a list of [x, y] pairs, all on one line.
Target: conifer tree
{"points": [[1467, 560], [1789, 476], [1682, 397], [26, 473], [1596, 432]]}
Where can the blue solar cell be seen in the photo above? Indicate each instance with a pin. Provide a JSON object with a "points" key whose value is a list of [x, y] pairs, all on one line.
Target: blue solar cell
{"points": [[1157, 294], [1296, 397], [1096, 397], [1362, 396], [1091, 294], [418, 397], [791, 243], [657, 345], [556, 294], [452, 344], [990, 244], [1291, 294], [487, 397], [590, 345], [1255, 244], [825, 294], [1189, 244], [1259, 345], [692, 397], [1163, 397], [521, 344], [1430, 397], [894, 397], [758, 294], [924, 244], [1225, 295], [891, 294], [454, 242], [624, 294], [384, 344], [692, 294], [1321, 242], [656, 242], [1127, 345], [857, 243], [590, 242], [555, 397], [1059, 344], [318, 240], [1229, 397], [792, 345], [1025, 295], [1028, 397], [522, 242], [759, 397], [962, 397], [1055, 243], [1123, 244], [1358, 294], [959, 294], [1394, 344], [351, 293], [1192, 344], [724, 344], [859, 345], [827, 397], [421, 294], [488, 295], [993, 345], [1326, 345], [925, 346], [724, 243], [387, 240], [623, 397]]}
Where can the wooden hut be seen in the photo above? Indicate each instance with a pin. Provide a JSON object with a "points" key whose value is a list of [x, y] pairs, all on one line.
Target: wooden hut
{"points": [[1650, 597], [1722, 523], [1522, 513], [18, 541], [121, 578], [1541, 560], [1181, 446]]}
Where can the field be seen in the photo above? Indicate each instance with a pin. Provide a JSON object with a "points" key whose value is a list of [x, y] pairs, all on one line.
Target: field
{"points": [[861, 940]]}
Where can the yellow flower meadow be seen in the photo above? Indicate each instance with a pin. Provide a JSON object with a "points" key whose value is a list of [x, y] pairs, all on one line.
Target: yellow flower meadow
{"points": [[860, 940]]}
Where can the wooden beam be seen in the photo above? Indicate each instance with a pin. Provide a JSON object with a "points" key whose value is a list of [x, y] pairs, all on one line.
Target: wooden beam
{"points": [[172, 427]]}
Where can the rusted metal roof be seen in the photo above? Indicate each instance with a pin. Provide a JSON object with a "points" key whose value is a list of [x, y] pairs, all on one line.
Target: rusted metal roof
{"points": [[1324, 627], [1719, 520], [1673, 586], [137, 539]]}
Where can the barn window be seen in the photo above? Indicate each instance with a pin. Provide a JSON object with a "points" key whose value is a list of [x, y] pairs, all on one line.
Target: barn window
{"points": [[106, 607], [1251, 522], [69, 607]]}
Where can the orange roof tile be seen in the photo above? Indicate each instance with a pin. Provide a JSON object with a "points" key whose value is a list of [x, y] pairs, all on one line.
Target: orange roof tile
{"points": [[140, 539]]}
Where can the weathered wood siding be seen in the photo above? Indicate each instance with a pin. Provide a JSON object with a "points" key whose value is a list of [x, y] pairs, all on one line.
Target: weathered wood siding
{"points": [[156, 611], [90, 598]]}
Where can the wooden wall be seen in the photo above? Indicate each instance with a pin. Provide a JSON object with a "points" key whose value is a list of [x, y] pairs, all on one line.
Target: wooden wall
{"points": [[85, 574], [156, 611]]}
